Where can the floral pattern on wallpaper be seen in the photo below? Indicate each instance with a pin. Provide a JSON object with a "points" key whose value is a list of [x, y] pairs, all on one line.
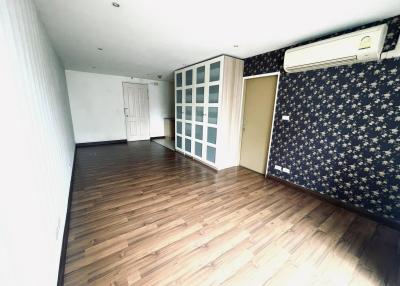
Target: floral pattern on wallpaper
{"points": [[343, 137]]}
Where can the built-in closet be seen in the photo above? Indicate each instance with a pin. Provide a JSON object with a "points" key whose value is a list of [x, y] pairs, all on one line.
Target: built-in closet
{"points": [[208, 100]]}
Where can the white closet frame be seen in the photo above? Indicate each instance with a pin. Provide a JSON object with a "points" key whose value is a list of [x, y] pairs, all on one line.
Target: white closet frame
{"points": [[229, 108]]}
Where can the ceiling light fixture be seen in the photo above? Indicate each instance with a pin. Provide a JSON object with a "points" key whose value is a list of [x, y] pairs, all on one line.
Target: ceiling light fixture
{"points": [[115, 4], [236, 46]]}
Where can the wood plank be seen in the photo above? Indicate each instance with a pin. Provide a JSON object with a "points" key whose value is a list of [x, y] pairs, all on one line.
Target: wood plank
{"points": [[144, 215]]}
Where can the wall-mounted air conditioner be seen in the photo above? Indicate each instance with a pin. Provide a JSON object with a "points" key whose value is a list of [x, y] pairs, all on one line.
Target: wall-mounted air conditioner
{"points": [[359, 46]]}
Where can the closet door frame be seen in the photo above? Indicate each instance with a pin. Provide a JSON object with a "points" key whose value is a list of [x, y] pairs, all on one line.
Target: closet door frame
{"points": [[182, 120], [196, 105], [185, 104], [206, 85], [218, 106]]}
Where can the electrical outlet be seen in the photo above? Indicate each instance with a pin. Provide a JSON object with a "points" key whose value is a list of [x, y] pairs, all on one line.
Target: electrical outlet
{"points": [[286, 170], [285, 117], [278, 168]]}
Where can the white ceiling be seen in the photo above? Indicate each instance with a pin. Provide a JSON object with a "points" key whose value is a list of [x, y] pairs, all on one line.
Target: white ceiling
{"points": [[145, 38]]}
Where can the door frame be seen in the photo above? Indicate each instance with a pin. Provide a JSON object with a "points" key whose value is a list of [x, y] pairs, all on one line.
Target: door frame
{"points": [[123, 101], [242, 103]]}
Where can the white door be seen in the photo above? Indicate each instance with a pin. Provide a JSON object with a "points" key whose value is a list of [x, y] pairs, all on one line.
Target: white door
{"points": [[136, 108]]}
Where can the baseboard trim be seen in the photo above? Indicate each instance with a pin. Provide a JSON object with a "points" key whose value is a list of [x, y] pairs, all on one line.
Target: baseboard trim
{"points": [[157, 137], [377, 218], [98, 143], [63, 256]]}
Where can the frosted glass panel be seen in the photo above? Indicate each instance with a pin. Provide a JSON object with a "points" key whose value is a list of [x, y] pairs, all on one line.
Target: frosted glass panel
{"points": [[188, 113], [212, 135], [179, 79], [213, 115], [179, 141], [188, 129], [200, 95], [179, 96], [200, 74], [188, 96], [213, 93], [214, 71], [179, 127], [199, 113], [199, 132], [198, 149], [188, 145], [189, 77], [211, 154], [179, 112]]}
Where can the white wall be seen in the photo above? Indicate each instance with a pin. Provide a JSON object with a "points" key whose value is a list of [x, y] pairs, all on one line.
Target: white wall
{"points": [[37, 149], [97, 105]]}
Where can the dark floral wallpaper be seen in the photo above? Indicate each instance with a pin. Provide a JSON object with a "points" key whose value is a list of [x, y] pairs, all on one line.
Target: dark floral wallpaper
{"points": [[343, 137]]}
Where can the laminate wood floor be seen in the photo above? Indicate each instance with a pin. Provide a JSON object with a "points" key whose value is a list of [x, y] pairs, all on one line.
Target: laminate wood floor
{"points": [[144, 215]]}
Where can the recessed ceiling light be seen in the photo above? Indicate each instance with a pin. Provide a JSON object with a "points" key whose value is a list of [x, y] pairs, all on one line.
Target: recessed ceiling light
{"points": [[115, 4], [236, 46], [100, 49]]}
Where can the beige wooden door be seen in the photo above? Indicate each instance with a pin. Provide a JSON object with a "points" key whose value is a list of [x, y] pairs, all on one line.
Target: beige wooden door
{"points": [[257, 122]]}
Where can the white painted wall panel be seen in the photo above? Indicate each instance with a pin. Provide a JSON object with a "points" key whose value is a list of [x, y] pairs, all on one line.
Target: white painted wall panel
{"points": [[97, 105], [37, 149]]}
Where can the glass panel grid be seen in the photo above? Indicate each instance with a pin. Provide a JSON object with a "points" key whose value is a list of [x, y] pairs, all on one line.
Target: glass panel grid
{"points": [[189, 77], [211, 154], [179, 79], [198, 149], [188, 113], [213, 115], [188, 129], [188, 145], [213, 94], [212, 135], [199, 132], [214, 71], [188, 96], [179, 127], [179, 112], [200, 75], [199, 113], [179, 142], [200, 95], [179, 96]]}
